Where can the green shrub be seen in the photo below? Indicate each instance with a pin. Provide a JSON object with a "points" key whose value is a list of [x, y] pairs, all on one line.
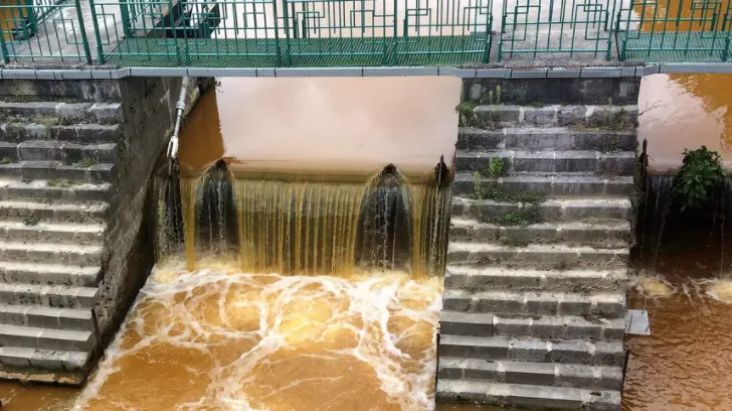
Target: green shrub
{"points": [[496, 167], [523, 216], [700, 179], [466, 111], [87, 162]]}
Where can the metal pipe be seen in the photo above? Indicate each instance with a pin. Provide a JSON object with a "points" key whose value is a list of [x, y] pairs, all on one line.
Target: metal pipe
{"points": [[180, 108]]}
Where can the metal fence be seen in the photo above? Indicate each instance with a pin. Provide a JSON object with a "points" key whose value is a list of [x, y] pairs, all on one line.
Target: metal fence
{"points": [[43, 31], [263, 33], [680, 30], [569, 27], [311, 33]]}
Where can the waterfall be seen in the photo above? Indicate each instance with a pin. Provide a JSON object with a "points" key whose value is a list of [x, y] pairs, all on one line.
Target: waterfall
{"points": [[296, 224]]}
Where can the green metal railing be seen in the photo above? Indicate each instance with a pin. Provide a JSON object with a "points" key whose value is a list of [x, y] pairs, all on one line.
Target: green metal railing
{"points": [[318, 33], [265, 33], [681, 30], [572, 27], [43, 31]]}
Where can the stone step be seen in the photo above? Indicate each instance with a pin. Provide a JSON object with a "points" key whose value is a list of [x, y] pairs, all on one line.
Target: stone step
{"points": [[75, 133], [613, 233], [536, 303], [51, 253], [45, 338], [550, 185], [537, 256], [58, 296], [565, 139], [605, 117], [548, 327], [526, 349], [54, 112], [15, 362], [77, 234], [49, 274], [478, 279], [82, 90], [32, 213], [552, 209], [8, 153], [549, 161], [56, 170], [46, 317], [529, 373], [66, 152], [53, 190], [531, 396]]}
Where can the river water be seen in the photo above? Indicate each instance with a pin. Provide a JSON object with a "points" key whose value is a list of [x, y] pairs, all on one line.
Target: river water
{"points": [[220, 337]]}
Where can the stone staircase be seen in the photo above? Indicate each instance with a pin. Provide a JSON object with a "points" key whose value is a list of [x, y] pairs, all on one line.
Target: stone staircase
{"points": [[57, 160], [534, 301]]}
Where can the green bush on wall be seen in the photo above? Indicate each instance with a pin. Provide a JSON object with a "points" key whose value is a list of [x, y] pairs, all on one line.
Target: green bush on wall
{"points": [[700, 179]]}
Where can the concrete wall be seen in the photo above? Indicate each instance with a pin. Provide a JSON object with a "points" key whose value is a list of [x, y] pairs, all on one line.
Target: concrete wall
{"points": [[149, 110], [543, 91]]}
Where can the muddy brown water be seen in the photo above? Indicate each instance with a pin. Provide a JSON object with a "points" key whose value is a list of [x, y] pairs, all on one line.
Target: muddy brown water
{"points": [[185, 343]]}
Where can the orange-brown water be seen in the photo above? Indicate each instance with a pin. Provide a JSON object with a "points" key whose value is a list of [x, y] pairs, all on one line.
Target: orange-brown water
{"points": [[221, 339], [685, 111], [333, 125], [685, 364]]}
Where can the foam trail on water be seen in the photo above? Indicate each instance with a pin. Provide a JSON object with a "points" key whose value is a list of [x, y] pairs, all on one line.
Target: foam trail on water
{"points": [[217, 338]]}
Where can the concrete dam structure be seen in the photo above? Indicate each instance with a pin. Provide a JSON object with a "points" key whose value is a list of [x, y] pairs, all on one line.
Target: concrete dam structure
{"points": [[537, 259], [421, 246]]}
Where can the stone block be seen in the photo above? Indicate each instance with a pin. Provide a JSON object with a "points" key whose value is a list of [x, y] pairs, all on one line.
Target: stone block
{"points": [[542, 116], [528, 350], [512, 326], [498, 114], [542, 305], [17, 357], [573, 306], [571, 352], [499, 304], [48, 360], [529, 373]]}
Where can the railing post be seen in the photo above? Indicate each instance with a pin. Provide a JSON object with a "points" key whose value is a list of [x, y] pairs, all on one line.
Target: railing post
{"points": [[392, 60], [286, 20], [488, 34], [124, 12], [97, 34], [82, 28], [278, 51], [31, 18]]}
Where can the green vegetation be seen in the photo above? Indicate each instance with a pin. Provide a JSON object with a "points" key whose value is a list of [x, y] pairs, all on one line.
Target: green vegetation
{"points": [[466, 112], [87, 162], [30, 220], [5, 160], [496, 167], [62, 183], [486, 188], [491, 190], [529, 214], [700, 180], [619, 120]]}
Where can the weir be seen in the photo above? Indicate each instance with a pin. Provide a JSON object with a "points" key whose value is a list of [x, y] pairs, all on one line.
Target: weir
{"points": [[381, 275], [295, 224], [529, 226]]}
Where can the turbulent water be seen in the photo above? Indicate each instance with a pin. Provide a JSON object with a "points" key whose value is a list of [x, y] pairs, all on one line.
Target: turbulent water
{"points": [[291, 224], [685, 364], [221, 339]]}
